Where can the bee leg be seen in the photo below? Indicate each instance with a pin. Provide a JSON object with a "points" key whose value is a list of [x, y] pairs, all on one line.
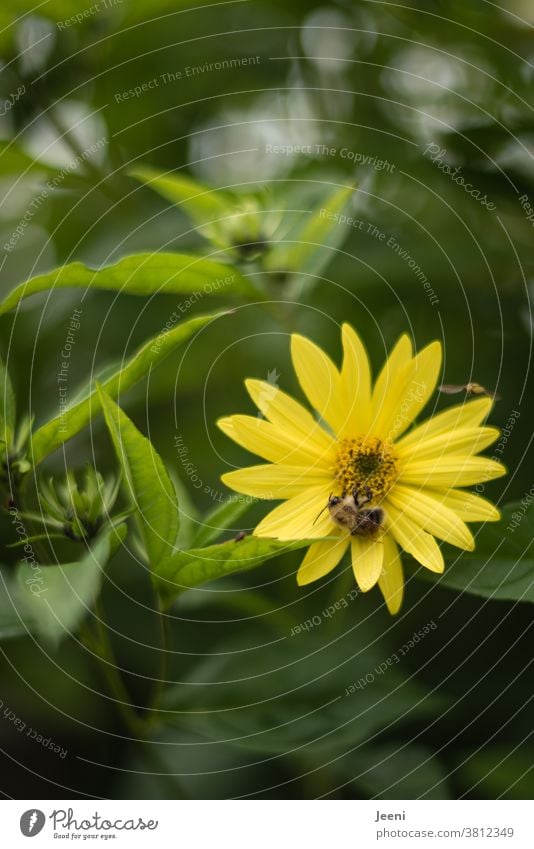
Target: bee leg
{"points": [[368, 496]]}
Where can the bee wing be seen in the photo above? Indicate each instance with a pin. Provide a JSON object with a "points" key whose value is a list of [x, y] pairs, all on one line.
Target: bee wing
{"points": [[451, 388]]}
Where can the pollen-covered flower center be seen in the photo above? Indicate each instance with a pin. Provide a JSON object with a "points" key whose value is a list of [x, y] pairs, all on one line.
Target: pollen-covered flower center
{"points": [[366, 466]]}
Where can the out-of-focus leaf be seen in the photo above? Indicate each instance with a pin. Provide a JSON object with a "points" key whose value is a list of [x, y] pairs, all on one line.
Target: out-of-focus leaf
{"points": [[148, 485], [202, 204], [11, 623], [241, 223], [53, 600], [502, 565], [497, 772], [293, 698], [140, 274], [62, 428], [186, 569], [13, 160], [403, 771], [309, 245], [7, 407], [221, 518]]}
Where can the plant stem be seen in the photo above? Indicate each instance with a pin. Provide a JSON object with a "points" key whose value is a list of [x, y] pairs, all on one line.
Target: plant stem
{"points": [[138, 727], [109, 668], [165, 649]]}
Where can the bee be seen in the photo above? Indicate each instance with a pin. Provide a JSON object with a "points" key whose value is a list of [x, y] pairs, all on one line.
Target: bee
{"points": [[468, 388], [349, 512]]}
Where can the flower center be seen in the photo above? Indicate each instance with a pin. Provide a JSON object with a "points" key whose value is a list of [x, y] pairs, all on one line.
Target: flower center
{"points": [[366, 466]]}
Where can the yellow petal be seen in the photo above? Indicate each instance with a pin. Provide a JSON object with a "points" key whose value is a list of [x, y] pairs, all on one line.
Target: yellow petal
{"points": [[451, 470], [427, 510], [321, 558], [275, 481], [393, 373], [272, 443], [355, 385], [470, 508], [414, 540], [300, 517], [319, 379], [391, 580], [287, 414], [459, 441], [409, 393], [466, 415], [367, 559]]}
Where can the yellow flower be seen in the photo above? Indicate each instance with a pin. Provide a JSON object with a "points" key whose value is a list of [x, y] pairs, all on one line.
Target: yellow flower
{"points": [[356, 474]]}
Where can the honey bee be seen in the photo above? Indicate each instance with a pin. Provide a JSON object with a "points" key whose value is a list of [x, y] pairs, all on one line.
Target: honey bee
{"points": [[349, 512], [468, 388]]}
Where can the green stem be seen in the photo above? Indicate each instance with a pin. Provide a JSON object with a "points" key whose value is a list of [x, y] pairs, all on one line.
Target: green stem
{"points": [[138, 727], [109, 668], [165, 649]]}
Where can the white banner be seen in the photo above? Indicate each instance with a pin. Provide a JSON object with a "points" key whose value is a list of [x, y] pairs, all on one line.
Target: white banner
{"points": [[268, 824]]}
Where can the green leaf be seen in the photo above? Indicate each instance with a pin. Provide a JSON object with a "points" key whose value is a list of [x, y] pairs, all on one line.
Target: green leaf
{"points": [[7, 407], [496, 772], [11, 623], [202, 204], [148, 485], [309, 245], [502, 565], [290, 697], [186, 569], [188, 513], [52, 600], [140, 274], [62, 428], [221, 518], [398, 771], [239, 222], [14, 160]]}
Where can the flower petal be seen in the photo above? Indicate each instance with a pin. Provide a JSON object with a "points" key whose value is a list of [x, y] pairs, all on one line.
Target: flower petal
{"points": [[367, 560], [300, 517], [413, 539], [320, 559], [319, 379], [451, 470], [355, 385], [275, 481], [427, 510], [287, 414], [393, 371], [458, 441], [409, 393], [391, 580], [273, 444], [467, 415], [470, 508]]}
